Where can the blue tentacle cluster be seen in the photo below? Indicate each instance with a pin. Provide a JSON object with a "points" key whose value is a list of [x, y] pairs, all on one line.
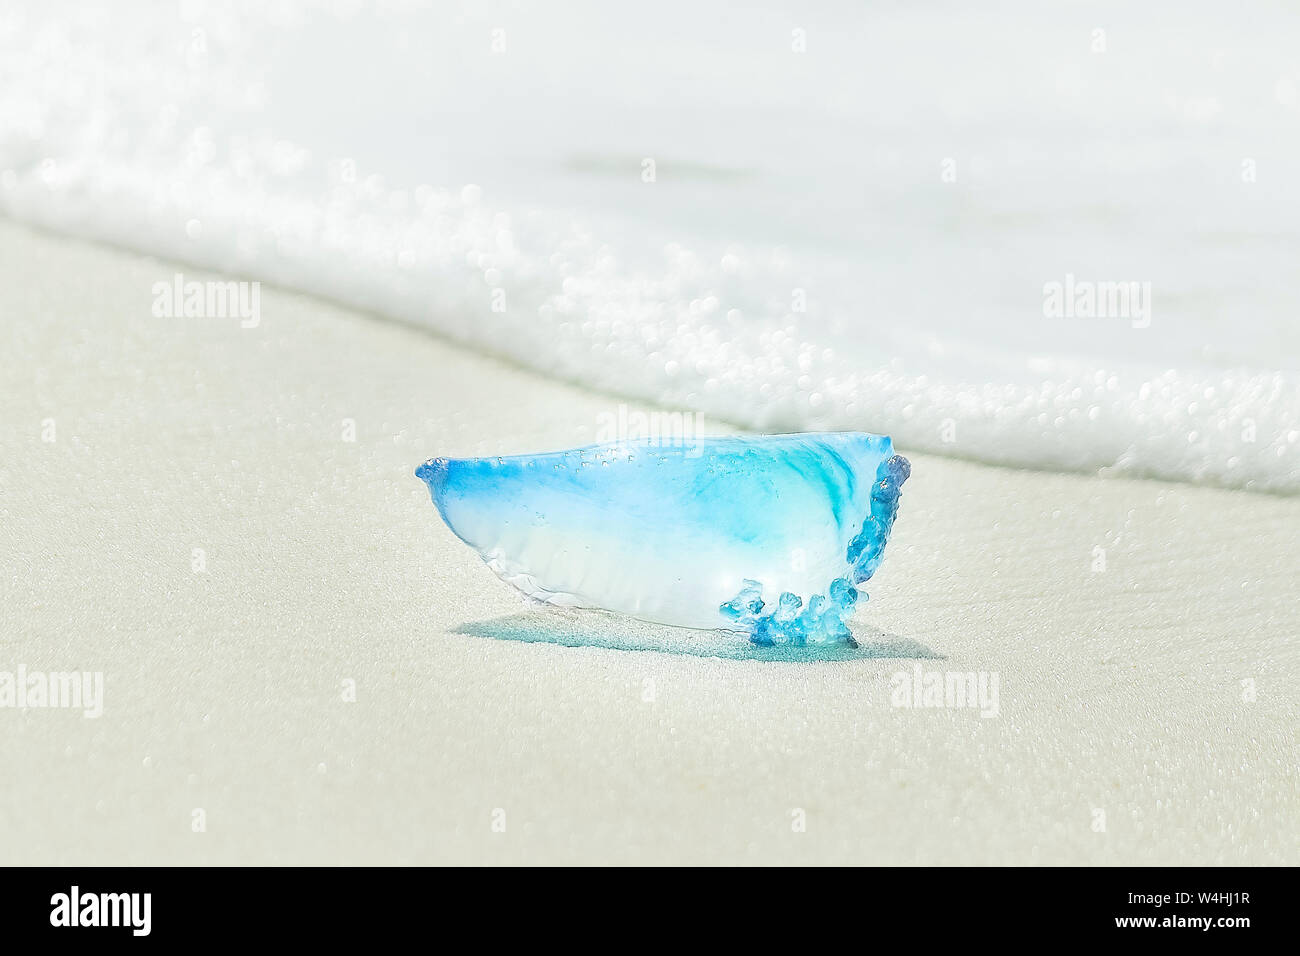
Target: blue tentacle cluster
{"points": [[825, 618], [868, 546]]}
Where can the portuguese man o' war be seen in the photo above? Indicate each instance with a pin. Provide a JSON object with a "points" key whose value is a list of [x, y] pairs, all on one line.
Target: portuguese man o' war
{"points": [[769, 536]]}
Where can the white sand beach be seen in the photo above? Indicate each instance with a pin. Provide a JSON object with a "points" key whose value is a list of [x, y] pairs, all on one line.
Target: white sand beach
{"points": [[182, 513]]}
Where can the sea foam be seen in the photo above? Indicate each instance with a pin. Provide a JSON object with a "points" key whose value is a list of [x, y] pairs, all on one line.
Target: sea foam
{"points": [[828, 258]]}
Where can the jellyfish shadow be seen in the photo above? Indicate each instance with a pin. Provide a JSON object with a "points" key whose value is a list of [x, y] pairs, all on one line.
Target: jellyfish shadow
{"points": [[578, 628]]}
